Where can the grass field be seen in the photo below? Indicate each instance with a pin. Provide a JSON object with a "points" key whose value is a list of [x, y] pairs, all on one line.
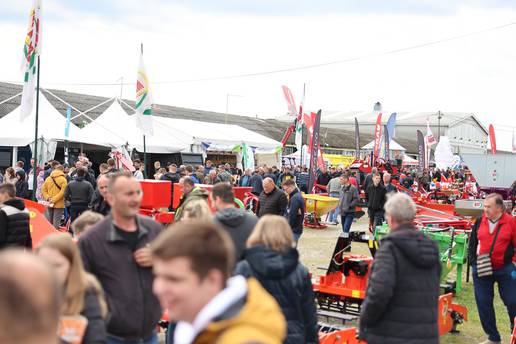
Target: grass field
{"points": [[316, 248]]}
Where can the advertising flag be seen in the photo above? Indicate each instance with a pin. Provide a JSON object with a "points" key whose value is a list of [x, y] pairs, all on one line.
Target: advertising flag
{"points": [[143, 101], [421, 150], [492, 139], [377, 136], [314, 151], [357, 140], [31, 51]]}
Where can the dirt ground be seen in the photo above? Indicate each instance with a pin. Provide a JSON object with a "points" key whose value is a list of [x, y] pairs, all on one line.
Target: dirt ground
{"points": [[316, 248]]}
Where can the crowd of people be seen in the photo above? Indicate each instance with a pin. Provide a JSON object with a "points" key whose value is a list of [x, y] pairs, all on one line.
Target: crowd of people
{"points": [[219, 273]]}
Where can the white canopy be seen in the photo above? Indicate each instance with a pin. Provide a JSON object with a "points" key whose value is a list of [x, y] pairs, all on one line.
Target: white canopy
{"points": [[115, 127], [51, 126], [394, 146], [408, 161], [218, 133]]}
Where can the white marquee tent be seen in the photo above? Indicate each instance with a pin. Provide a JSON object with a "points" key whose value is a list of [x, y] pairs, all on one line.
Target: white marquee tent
{"points": [[51, 127], [115, 127], [394, 146]]}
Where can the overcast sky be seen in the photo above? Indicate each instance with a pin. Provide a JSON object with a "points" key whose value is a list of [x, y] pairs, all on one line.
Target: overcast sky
{"points": [[98, 41]]}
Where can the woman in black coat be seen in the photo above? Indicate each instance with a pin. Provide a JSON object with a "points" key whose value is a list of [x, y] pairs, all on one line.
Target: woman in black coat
{"points": [[272, 260], [22, 187]]}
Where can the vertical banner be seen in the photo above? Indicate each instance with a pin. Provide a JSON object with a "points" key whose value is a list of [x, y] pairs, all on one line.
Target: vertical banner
{"points": [[492, 139], [391, 126], [421, 150], [314, 151], [67, 133], [377, 136], [357, 140], [386, 139], [513, 142], [292, 110]]}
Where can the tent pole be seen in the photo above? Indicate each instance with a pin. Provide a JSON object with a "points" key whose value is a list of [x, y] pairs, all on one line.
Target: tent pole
{"points": [[35, 157]]}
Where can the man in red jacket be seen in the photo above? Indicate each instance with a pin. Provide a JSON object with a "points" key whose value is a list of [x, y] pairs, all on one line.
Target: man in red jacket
{"points": [[503, 262]]}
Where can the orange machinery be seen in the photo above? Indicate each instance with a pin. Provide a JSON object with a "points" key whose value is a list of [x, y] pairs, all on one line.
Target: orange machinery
{"points": [[156, 198]]}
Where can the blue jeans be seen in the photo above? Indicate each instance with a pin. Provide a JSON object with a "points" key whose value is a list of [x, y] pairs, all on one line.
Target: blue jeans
{"points": [[297, 236], [484, 295], [153, 340], [346, 221], [335, 212]]}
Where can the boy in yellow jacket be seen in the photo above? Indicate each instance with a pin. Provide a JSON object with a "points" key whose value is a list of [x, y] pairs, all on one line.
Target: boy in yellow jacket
{"points": [[192, 264], [53, 192]]}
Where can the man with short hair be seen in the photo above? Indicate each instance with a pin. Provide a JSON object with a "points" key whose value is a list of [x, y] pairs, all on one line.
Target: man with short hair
{"points": [[190, 193], [116, 250], [192, 266], [323, 178], [272, 200], [348, 200], [79, 193], [14, 219], [245, 180], [494, 233], [224, 175], [375, 195], [99, 203], [173, 177], [28, 290], [238, 223], [333, 189], [19, 166], [256, 181], [111, 165], [295, 211], [402, 294], [387, 183], [208, 167], [138, 174]]}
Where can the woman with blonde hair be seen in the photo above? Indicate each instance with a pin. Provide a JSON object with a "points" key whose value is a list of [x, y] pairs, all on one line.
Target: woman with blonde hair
{"points": [[272, 259], [197, 210], [82, 293]]}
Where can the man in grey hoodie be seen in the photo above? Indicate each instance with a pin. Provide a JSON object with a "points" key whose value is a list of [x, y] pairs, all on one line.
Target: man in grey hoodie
{"points": [[238, 223], [348, 200]]}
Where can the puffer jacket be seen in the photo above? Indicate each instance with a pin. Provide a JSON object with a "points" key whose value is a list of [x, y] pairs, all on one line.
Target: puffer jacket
{"points": [[274, 203], [14, 224], [401, 299], [238, 224], [54, 187], [288, 281]]}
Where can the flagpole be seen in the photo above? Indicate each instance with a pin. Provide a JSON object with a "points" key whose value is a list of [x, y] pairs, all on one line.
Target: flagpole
{"points": [[144, 146], [35, 168]]}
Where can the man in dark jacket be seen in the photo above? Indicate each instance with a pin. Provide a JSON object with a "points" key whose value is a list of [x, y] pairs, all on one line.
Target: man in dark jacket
{"points": [[503, 263], [88, 176], [348, 200], [173, 177], [256, 181], [116, 251], [237, 222], [375, 195], [295, 212], [323, 178], [99, 203], [79, 193], [272, 200], [402, 294], [14, 219]]}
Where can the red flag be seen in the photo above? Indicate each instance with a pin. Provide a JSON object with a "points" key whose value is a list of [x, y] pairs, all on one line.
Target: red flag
{"points": [[492, 139], [290, 100], [377, 135]]}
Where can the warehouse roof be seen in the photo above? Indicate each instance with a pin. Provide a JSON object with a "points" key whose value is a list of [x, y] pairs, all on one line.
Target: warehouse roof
{"points": [[273, 128]]}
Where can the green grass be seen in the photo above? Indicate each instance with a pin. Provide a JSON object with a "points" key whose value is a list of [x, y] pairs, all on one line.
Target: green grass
{"points": [[316, 248]]}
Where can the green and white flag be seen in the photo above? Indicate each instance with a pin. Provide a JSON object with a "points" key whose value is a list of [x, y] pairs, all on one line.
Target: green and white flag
{"points": [[31, 50], [143, 101]]}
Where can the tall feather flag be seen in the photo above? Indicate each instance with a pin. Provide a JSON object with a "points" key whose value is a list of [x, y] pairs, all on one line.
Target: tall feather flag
{"points": [[377, 136], [357, 140], [429, 142], [31, 50], [143, 101], [513, 142], [299, 123], [292, 110], [492, 139], [389, 134]]}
